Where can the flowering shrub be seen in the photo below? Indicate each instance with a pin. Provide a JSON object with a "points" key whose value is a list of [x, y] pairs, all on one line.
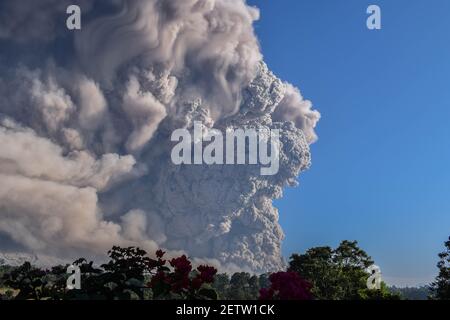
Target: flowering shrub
{"points": [[286, 286], [181, 282], [126, 276]]}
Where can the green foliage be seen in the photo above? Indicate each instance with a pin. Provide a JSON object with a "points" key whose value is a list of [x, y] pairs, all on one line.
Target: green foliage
{"points": [[123, 277], [3, 270], [241, 286], [440, 288], [221, 285], [317, 266], [32, 283], [383, 294], [336, 274], [208, 293], [27, 282]]}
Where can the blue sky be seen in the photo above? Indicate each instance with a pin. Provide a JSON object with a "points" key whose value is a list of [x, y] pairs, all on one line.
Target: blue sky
{"points": [[380, 170]]}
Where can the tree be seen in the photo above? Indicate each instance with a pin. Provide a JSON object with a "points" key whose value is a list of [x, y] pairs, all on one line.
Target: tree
{"points": [[335, 274], [240, 288], [4, 269], [317, 266], [440, 288], [351, 263], [221, 285], [30, 282], [382, 294], [123, 277]]}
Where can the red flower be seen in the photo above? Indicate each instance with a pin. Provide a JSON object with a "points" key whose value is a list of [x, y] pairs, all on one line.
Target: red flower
{"points": [[178, 281], [158, 278], [287, 286], [197, 282], [266, 294], [179, 284], [207, 273], [182, 265]]}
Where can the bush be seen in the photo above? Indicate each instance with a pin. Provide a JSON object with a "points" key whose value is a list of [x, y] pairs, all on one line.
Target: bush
{"points": [[129, 274], [182, 283], [286, 286]]}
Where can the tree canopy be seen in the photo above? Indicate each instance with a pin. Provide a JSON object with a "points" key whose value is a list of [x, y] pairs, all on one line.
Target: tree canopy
{"points": [[440, 288], [338, 274]]}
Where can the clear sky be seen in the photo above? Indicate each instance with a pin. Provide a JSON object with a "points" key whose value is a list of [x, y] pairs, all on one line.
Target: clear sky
{"points": [[380, 172]]}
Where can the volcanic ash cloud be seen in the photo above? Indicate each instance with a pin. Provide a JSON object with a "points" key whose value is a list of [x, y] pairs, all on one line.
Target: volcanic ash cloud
{"points": [[86, 119]]}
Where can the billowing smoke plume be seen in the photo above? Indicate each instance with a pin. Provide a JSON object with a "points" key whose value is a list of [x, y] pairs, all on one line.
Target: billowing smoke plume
{"points": [[86, 118]]}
